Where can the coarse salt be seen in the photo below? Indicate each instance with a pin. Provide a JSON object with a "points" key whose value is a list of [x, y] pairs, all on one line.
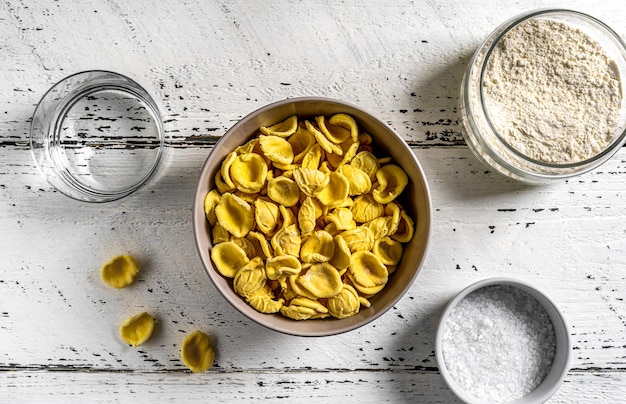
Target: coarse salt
{"points": [[498, 343]]}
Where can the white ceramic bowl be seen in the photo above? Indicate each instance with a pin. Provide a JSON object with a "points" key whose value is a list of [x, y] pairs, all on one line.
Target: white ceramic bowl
{"points": [[560, 363], [387, 143]]}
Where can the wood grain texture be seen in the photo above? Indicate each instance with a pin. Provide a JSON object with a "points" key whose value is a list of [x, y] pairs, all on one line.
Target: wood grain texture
{"points": [[208, 64], [292, 387]]}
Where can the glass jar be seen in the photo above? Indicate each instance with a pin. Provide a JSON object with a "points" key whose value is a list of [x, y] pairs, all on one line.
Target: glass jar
{"points": [[490, 147]]}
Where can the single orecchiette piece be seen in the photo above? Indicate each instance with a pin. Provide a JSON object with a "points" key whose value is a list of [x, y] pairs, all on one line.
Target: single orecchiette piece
{"points": [[120, 271], [197, 352], [137, 329], [228, 257], [391, 182], [285, 128]]}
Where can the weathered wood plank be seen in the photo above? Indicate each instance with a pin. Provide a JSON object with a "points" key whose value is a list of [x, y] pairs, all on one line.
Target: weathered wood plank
{"points": [[293, 387]]}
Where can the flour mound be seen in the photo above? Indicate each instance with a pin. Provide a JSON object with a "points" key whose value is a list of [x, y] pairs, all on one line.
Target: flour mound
{"points": [[552, 92]]}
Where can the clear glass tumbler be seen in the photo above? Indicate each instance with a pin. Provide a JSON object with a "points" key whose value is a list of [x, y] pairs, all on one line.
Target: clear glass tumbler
{"points": [[97, 136]]}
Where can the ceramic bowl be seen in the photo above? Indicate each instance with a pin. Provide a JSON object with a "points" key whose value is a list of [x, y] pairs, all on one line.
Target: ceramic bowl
{"points": [[387, 143], [483, 328]]}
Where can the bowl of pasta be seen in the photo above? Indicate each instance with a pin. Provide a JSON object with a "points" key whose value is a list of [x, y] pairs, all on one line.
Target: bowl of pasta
{"points": [[312, 217]]}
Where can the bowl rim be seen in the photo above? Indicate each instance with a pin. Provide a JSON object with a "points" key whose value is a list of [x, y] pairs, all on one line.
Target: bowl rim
{"points": [[555, 376], [343, 325]]}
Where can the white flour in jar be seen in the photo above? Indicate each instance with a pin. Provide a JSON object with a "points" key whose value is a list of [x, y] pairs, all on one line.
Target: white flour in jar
{"points": [[552, 92]]}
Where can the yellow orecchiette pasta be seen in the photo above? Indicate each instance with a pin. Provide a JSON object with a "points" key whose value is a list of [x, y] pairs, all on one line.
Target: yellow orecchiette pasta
{"points": [[137, 329], [342, 219], [388, 251], [367, 270], [320, 247], [345, 303], [248, 172], [310, 303], [229, 258], [321, 280], [308, 214], [392, 180], [341, 255], [276, 149], [322, 140], [220, 234], [297, 312], [284, 191], [283, 129], [120, 271], [225, 171], [246, 245], [365, 208], [336, 191], [197, 352], [367, 162], [310, 180], [264, 301], [360, 183], [211, 200], [235, 215], [313, 157], [266, 214], [287, 241], [283, 265], [347, 122], [301, 142], [307, 220], [360, 238], [250, 278]]}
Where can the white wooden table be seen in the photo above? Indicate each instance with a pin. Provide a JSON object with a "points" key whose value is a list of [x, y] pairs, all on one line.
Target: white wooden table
{"points": [[208, 63]]}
